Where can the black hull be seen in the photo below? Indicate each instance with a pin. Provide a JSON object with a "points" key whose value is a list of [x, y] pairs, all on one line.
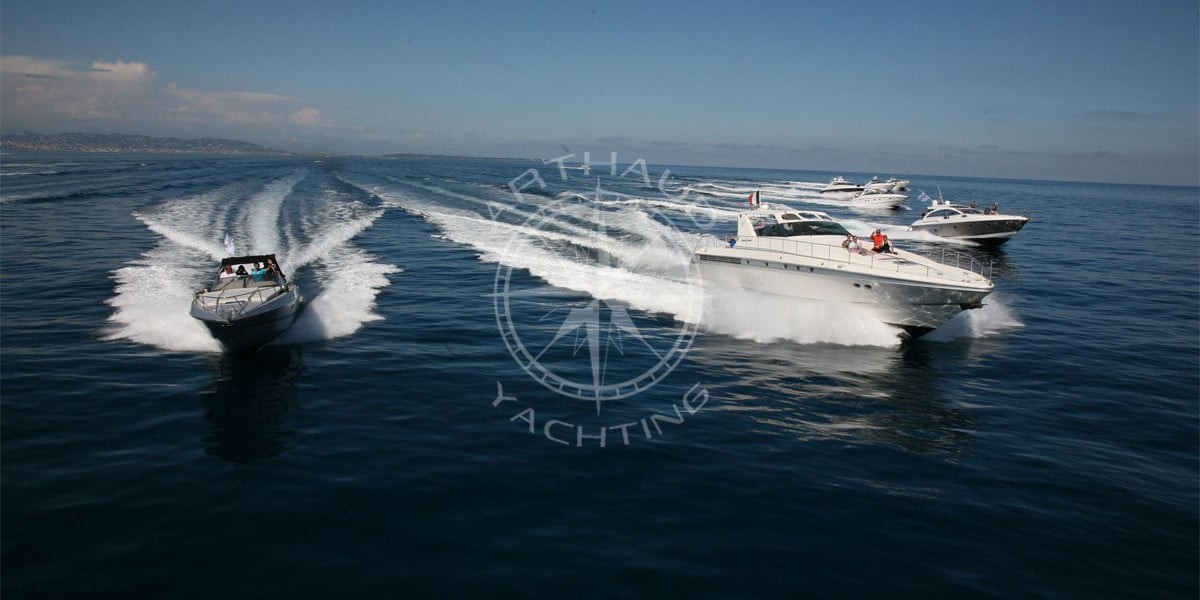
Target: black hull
{"points": [[251, 333], [913, 332]]}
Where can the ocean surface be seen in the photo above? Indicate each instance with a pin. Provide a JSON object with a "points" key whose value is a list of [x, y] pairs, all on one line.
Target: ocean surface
{"points": [[505, 383]]}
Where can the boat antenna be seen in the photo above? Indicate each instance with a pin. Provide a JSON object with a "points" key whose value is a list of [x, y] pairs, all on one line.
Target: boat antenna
{"points": [[939, 187]]}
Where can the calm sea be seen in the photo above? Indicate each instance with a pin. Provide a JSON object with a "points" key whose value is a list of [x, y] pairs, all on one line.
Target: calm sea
{"points": [[505, 383]]}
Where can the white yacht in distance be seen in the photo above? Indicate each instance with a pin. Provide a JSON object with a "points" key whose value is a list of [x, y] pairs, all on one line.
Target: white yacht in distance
{"points": [[878, 198], [988, 227], [841, 184], [800, 254], [891, 186]]}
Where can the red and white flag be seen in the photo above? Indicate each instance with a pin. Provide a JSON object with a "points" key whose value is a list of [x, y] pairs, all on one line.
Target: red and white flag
{"points": [[754, 198]]}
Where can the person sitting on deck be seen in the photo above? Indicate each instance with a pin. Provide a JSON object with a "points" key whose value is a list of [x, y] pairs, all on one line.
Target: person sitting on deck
{"points": [[851, 243], [227, 273], [882, 243], [258, 273]]}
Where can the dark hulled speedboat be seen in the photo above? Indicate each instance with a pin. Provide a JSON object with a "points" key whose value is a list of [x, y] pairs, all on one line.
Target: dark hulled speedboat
{"points": [[246, 307]]}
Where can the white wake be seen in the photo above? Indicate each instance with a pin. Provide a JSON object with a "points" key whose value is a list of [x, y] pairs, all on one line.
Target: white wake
{"points": [[153, 293]]}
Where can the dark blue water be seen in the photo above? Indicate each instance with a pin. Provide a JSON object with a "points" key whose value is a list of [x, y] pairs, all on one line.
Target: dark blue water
{"points": [[395, 442]]}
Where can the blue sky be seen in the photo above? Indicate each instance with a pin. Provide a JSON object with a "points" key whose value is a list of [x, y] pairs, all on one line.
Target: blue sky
{"points": [[1096, 91]]}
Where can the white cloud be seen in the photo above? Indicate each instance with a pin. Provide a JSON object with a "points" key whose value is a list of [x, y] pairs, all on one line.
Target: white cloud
{"points": [[40, 93], [120, 72], [44, 90], [225, 106], [307, 116]]}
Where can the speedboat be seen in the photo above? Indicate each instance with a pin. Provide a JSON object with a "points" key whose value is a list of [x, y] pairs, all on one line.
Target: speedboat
{"points": [[891, 186], [879, 198], [841, 184], [246, 307], [987, 227], [800, 254]]}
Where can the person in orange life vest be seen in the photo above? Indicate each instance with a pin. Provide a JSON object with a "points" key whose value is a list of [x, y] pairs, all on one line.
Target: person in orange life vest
{"points": [[882, 244]]}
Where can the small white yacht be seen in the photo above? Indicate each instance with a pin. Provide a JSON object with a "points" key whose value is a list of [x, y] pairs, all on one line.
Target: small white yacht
{"points": [[878, 198], [841, 185], [807, 255], [891, 186], [246, 307], [987, 227]]}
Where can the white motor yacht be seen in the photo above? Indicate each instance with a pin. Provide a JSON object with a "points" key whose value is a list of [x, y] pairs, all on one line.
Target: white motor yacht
{"points": [[891, 186], [987, 227], [878, 198], [841, 185], [245, 307], [800, 254]]}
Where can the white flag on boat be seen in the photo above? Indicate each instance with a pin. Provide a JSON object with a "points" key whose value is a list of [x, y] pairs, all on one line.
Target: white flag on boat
{"points": [[229, 245], [924, 197]]}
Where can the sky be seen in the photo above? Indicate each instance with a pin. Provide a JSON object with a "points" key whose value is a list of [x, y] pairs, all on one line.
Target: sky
{"points": [[1078, 91]]}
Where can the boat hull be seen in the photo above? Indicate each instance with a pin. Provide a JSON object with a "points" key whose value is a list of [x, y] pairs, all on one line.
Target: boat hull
{"points": [[918, 308], [879, 200], [990, 232], [254, 328]]}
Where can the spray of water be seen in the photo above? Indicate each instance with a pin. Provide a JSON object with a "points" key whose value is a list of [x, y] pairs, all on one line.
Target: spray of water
{"points": [[153, 293]]}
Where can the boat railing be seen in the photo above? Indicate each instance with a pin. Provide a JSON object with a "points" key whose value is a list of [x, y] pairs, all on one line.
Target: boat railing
{"points": [[231, 302], [962, 260], [875, 260]]}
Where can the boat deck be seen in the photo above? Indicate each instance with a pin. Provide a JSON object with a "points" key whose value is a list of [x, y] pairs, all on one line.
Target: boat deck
{"points": [[930, 266], [234, 283]]}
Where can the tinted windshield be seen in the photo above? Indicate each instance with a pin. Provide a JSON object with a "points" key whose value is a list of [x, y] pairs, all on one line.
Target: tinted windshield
{"points": [[804, 228]]}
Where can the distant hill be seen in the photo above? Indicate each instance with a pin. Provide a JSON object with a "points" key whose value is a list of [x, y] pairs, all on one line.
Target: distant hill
{"points": [[112, 142]]}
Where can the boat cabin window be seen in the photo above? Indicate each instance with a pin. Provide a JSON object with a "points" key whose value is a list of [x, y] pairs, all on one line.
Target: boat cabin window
{"points": [[802, 228]]}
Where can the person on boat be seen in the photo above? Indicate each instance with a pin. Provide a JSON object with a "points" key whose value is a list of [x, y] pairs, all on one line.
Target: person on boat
{"points": [[274, 273], [259, 273], [881, 243], [851, 243], [994, 209], [227, 273]]}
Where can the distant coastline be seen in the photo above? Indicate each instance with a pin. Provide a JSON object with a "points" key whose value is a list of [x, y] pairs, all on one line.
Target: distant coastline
{"points": [[114, 143]]}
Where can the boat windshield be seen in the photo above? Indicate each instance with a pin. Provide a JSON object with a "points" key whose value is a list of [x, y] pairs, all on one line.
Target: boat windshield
{"points": [[804, 228]]}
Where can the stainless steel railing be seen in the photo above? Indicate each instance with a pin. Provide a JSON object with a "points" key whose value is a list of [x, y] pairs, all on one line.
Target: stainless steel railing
{"points": [[231, 302]]}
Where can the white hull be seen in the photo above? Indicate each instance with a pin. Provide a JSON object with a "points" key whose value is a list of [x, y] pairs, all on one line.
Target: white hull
{"points": [[808, 256], [914, 306], [879, 200]]}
